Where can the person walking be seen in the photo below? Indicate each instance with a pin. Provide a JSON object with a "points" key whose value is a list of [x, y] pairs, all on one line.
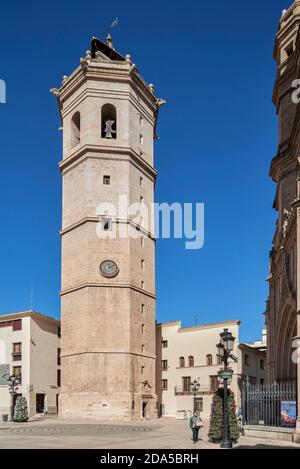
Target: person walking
{"points": [[195, 425]]}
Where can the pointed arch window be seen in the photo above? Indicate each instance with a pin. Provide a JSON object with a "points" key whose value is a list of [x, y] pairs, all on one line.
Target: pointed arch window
{"points": [[108, 121], [75, 129]]}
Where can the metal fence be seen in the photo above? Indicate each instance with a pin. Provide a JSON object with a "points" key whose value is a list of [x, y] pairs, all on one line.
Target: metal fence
{"points": [[269, 404]]}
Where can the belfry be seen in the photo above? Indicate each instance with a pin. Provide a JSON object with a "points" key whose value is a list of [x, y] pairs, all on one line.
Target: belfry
{"points": [[109, 116]]}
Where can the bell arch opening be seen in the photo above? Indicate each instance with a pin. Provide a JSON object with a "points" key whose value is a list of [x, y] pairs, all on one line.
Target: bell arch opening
{"points": [[108, 121]]}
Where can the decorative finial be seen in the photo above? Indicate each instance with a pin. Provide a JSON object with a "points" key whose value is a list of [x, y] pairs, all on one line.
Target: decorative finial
{"points": [[151, 86], [109, 41], [65, 78], [88, 55], [283, 13], [83, 63], [128, 58]]}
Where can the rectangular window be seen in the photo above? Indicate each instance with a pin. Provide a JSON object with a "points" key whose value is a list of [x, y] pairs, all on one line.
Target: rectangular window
{"points": [[58, 378], [143, 328], [262, 381], [17, 351], [164, 365], [199, 404], [17, 372], [164, 344], [164, 384], [142, 370], [262, 364], [247, 360], [5, 323], [106, 180], [17, 325], [58, 356], [214, 383], [59, 331], [106, 224], [186, 383]]}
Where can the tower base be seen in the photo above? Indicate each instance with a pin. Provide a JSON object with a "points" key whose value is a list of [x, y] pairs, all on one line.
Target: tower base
{"points": [[115, 407]]}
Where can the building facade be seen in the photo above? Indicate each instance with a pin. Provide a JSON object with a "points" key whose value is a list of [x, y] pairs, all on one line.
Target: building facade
{"points": [[30, 350], [109, 116], [282, 313], [185, 354]]}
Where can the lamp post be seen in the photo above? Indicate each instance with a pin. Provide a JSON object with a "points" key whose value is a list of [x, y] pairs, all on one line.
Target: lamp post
{"points": [[225, 348], [195, 387], [13, 382]]}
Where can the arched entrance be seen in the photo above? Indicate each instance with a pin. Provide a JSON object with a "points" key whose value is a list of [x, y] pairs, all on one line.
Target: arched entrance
{"points": [[286, 370]]}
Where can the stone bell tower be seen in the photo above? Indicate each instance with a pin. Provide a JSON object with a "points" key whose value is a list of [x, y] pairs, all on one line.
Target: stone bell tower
{"points": [[109, 116]]}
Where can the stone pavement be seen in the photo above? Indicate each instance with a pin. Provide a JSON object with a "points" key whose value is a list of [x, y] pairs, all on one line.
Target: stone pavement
{"points": [[165, 433]]}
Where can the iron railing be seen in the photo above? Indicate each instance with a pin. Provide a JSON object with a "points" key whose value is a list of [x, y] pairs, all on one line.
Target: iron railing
{"points": [[269, 404]]}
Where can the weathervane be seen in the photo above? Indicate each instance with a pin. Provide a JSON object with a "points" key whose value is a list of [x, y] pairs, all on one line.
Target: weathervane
{"points": [[107, 34]]}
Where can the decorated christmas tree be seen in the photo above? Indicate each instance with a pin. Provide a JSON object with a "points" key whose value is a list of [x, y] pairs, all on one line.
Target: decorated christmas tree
{"points": [[21, 410], [216, 417]]}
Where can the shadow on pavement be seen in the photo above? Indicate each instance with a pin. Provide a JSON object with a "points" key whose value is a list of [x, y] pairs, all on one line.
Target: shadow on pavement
{"points": [[261, 446]]}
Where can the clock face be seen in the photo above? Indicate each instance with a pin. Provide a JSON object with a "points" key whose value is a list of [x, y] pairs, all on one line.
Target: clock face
{"points": [[109, 268]]}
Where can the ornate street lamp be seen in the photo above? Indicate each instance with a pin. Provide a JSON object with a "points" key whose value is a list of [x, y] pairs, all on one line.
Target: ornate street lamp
{"points": [[225, 348], [195, 388], [13, 382]]}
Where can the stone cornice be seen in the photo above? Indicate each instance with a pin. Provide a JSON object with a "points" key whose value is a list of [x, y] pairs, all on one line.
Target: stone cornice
{"points": [[106, 71], [81, 154], [99, 352], [108, 285], [85, 220]]}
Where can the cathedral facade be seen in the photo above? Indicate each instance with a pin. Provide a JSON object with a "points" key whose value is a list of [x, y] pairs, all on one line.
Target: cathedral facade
{"points": [[109, 115], [283, 305]]}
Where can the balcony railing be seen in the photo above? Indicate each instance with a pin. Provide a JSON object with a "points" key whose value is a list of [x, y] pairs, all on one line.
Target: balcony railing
{"points": [[16, 356], [182, 391], [179, 390]]}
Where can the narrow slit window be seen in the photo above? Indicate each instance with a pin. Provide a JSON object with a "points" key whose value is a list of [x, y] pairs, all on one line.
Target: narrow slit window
{"points": [[106, 224], [106, 180]]}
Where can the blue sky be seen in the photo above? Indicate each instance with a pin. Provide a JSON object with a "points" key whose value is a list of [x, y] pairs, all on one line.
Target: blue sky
{"points": [[212, 62]]}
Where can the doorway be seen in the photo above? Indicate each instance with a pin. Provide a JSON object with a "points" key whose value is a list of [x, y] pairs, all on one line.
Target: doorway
{"points": [[145, 410], [40, 403]]}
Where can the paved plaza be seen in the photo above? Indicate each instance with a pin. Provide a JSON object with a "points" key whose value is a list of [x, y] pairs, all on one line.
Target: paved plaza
{"points": [[51, 433]]}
